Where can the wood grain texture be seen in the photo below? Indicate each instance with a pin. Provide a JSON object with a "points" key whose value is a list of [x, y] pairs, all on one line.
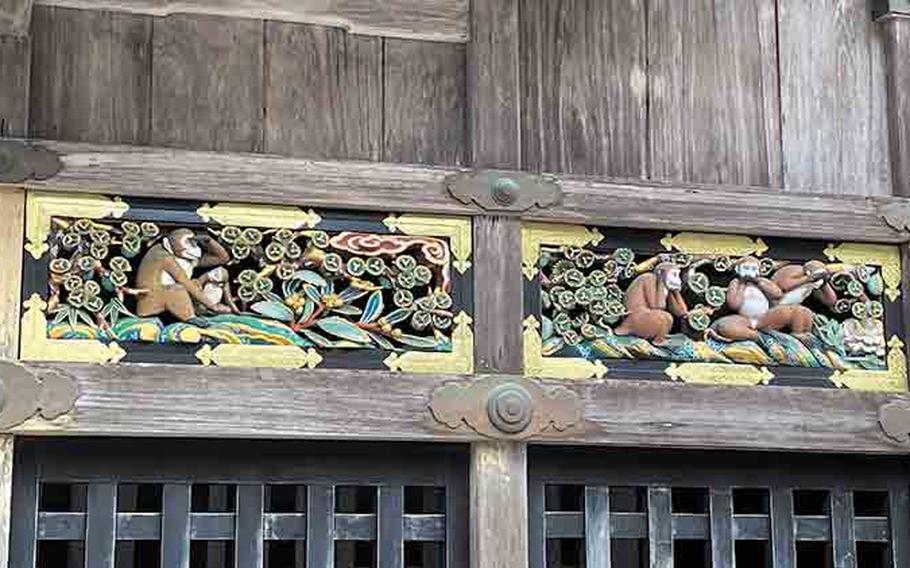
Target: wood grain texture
{"points": [[210, 176], [12, 229], [584, 87], [207, 83], [432, 20], [498, 307], [324, 92], [15, 65], [91, 76], [343, 404], [15, 17], [833, 98], [493, 84], [6, 496], [499, 505], [425, 102], [896, 31], [713, 91]]}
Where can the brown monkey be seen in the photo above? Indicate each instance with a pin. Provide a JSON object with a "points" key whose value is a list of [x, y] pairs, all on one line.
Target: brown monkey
{"points": [[216, 286], [166, 276], [652, 300], [798, 282], [751, 297]]}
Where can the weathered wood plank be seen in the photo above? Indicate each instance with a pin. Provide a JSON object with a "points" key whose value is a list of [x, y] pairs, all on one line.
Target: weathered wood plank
{"points": [[12, 229], [425, 102], [896, 31], [499, 505], [431, 20], [493, 84], [7, 447], [92, 78], [713, 96], [147, 400], [15, 63], [207, 83], [498, 307], [181, 174], [584, 87], [15, 17], [324, 92], [833, 98]]}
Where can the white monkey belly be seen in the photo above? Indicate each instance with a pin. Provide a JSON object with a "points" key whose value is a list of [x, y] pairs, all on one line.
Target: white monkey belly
{"points": [[214, 293], [755, 303], [187, 265]]}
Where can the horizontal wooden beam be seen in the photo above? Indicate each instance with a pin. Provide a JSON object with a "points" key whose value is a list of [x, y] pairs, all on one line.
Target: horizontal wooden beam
{"points": [[180, 401], [258, 178], [430, 20], [890, 7]]}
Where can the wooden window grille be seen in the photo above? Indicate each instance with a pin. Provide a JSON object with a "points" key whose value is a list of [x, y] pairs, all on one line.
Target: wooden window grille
{"points": [[303, 505], [635, 510]]}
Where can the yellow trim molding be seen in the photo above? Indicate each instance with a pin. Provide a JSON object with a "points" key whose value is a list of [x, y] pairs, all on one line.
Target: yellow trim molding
{"points": [[271, 356], [40, 207], [533, 235], [536, 365], [37, 347], [459, 361], [262, 216], [458, 231], [886, 256], [719, 374], [711, 243], [894, 379]]}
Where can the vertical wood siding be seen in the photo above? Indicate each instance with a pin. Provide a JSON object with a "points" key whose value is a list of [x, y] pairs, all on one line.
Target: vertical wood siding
{"points": [[779, 93], [584, 86], [14, 69], [833, 98], [90, 79]]}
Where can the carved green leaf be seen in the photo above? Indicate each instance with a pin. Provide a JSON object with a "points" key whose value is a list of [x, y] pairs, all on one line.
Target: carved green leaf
{"points": [[398, 315], [344, 329], [381, 341], [374, 308], [310, 277], [419, 342], [317, 338], [274, 310]]}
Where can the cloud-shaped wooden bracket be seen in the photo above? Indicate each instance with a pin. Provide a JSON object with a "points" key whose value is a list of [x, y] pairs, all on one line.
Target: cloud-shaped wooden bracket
{"points": [[24, 394], [894, 418], [20, 161], [504, 191], [506, 407]]}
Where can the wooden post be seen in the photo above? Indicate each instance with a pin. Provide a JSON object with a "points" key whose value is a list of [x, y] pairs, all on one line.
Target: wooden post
{"points": [[499, 487], [12, 203], [896, 26]]}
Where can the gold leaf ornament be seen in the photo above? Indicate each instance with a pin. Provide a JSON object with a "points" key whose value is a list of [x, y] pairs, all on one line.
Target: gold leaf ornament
{"points": [[886, 256], [714, 244], [458, 231], [266, 356], [894, 379], [262, 216], [533, 235], [458, 361], [36, 346], [719, 374], [536, 365], [41, 207]]}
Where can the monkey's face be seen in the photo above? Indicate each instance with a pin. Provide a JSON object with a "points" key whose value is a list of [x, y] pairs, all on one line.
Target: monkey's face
{"points": [[672, 279], [814, 268], [184, 245], [748, 270]]}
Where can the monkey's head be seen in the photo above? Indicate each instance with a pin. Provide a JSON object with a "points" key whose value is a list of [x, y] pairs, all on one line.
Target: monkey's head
{"points": [[815, 268], [748, 268], [182, 243], [668, 273]]}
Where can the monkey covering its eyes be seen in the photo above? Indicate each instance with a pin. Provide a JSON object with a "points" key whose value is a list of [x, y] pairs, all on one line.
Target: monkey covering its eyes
{"points": [[165, 277]]}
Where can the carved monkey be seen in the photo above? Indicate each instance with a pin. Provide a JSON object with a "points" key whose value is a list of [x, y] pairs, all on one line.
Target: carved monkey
{"points": [[652, 300], [798, 282], [756, 303], [216, 286], [166, 276]]}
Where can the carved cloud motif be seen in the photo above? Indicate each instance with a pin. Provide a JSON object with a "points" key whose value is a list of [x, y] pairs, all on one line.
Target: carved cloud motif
{"points": [[504, 191], [24, 393]]}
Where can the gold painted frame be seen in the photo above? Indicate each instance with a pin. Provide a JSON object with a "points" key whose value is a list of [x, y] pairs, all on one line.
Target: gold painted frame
{"points": [[534, 235], [36, 346]]}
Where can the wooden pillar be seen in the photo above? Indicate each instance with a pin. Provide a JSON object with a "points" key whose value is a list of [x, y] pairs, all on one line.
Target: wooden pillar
{"points": [[15, 62], [12, 203], [499, 488], [896, 29]]}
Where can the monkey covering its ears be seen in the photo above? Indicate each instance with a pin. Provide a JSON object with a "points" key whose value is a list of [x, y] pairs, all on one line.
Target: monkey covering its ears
{"points": [[652, 300], [166, 276]]}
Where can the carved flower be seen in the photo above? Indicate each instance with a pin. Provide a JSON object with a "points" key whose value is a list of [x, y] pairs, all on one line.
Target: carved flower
{"points": [[149, 230], [332, 262], [320, 239], [355, 266], [623, 256], [403, 298], [60, 265], [574, 278], [723, 263], [376, 266]]}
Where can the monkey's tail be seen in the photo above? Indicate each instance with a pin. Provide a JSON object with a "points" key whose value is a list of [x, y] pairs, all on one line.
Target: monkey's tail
{"points": [[136, 291], [711, 334]]}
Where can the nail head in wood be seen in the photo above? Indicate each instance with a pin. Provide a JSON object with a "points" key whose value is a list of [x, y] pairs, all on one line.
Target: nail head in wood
{"points": [[20, 161], [505, 191], [506, 407]]}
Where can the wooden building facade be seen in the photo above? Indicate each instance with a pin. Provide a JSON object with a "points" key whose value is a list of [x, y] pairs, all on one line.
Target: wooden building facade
{"points": [[451, 283]]}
